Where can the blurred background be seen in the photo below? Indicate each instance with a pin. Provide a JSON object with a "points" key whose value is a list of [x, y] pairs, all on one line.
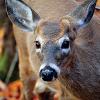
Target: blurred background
{"points": [[10, 85]]}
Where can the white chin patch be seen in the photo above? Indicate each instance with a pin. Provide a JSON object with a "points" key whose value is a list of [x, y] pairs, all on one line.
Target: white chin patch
{"points": [[38, 50]]}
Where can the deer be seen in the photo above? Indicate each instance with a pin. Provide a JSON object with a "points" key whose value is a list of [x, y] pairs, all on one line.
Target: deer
{"points": [[58, 42]]}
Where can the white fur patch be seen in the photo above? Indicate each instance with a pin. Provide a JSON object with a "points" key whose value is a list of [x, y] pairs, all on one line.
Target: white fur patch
{"points": [[66, 51], [42, 66], [62, 39], [38, 50], [40, 87], [56, 68]]}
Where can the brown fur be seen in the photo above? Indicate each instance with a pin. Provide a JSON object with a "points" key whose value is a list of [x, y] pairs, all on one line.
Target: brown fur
{"points": [[84, 62], [80, 70], [42, 7]]}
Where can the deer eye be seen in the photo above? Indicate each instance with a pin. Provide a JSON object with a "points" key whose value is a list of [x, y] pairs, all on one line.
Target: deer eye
{"points": [[65, 44], [37, 44]]}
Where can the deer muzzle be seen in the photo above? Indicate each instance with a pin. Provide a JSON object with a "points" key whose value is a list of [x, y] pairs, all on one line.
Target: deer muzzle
{"points": [[49, 72]]}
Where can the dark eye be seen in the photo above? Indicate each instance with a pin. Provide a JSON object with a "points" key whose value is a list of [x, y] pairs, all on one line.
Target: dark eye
{"points": [[37, 44], [65, 44]]}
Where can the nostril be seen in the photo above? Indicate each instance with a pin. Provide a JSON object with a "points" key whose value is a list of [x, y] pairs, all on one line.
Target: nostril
{"points": [[48, 74]]}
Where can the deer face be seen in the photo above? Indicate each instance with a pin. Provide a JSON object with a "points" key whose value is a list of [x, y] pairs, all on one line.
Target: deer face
{"points": [[52, 42]]}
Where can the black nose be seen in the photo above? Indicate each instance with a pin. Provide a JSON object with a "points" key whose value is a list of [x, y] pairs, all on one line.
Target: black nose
{"points": [[48, 73]]}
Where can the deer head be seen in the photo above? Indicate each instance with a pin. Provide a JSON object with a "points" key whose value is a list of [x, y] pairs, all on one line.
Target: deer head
{"points": [[50, 42]]}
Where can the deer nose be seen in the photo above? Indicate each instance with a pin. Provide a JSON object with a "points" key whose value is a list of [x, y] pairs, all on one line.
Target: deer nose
{"points": [[48, 74]]}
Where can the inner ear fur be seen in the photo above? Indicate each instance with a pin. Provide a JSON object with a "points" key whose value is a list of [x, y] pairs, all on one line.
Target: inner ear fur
{"points": [[83, 14], [22, 15]]}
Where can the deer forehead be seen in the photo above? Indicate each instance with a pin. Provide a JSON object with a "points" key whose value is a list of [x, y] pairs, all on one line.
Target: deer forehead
{"points": [[51, 30]]}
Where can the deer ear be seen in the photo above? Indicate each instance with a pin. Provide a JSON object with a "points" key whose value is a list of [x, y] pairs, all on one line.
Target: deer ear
{"points": [[22, 15], [83, 13]]}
